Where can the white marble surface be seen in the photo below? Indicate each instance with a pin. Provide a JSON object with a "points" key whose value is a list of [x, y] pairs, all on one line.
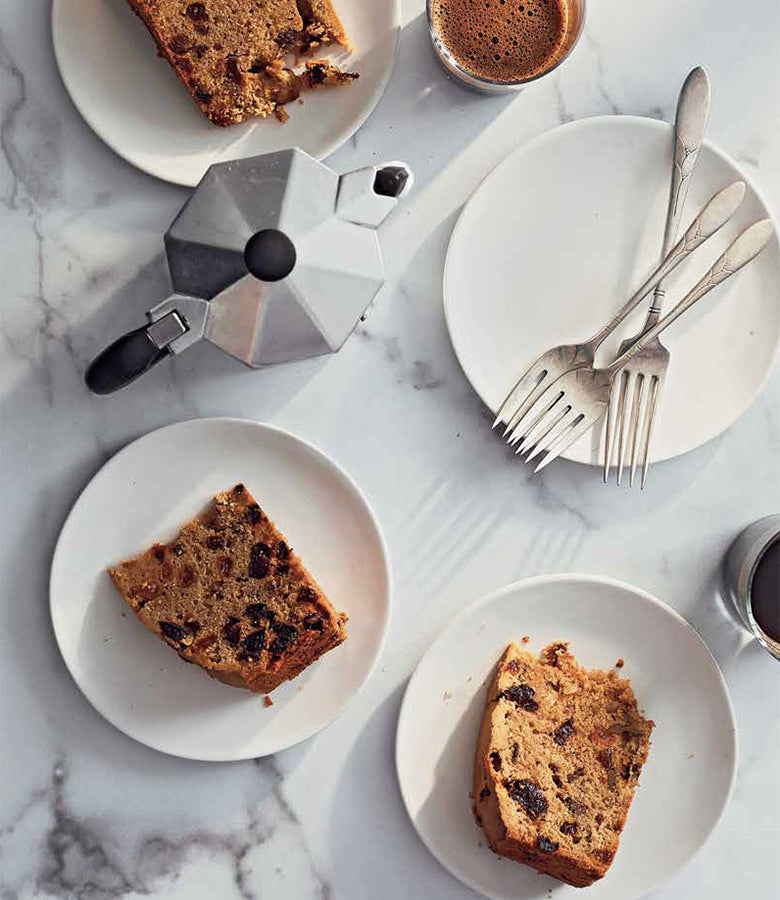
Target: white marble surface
{"points": [[87, 813]]}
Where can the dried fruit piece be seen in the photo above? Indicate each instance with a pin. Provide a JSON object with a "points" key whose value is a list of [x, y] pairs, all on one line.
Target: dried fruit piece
{"points": [[285, 635], [546, 845], [197, 12], [253, 643], [529, 795], [307, 595], [569, 828], [253, 511], [173, 632], [495, 760], [563, 732], [231, 631], [287, 39], [181, 43], [575, 807], [259, 561], [313, 623], [522, 695]]}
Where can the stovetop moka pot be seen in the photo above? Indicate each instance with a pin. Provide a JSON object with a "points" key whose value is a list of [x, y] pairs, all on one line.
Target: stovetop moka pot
{"points": [[273, 258]]}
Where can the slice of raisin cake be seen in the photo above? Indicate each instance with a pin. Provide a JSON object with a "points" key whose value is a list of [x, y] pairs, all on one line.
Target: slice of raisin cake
{"points": [[230, 53], [558, 758], [230, 595]]}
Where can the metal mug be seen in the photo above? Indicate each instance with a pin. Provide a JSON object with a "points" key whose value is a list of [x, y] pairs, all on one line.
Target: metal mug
{"points": [[739, 568]]}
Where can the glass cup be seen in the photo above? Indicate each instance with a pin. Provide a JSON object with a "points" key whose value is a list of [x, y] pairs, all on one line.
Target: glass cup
{"points": [[739, 568], [576, 20]]}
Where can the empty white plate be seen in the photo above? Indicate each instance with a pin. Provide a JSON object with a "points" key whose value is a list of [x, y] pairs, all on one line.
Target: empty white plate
{"points": [[564, 230], [143, 495], [684, 787], [135, 102]]}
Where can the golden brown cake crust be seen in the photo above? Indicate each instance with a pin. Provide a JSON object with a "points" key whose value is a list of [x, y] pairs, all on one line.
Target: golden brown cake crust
{"points": [[230, 595], [229, 53], [558, 758]]}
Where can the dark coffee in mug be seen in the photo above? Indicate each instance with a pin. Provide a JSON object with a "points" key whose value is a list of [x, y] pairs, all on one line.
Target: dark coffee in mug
{"points": [[503, 40], [765, 591]]}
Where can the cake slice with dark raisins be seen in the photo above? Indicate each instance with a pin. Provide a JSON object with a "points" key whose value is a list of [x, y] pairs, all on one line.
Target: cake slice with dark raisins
{"points": [[558, 759], [230, 595], [230, 53]]}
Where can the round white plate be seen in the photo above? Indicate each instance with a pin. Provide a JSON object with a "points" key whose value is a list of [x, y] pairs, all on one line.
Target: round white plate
{"points": [[143, 495], [689, 774], [562, 232], [135, 102]]}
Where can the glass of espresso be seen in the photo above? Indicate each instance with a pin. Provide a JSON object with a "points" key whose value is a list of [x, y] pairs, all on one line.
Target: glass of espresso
{"points": [[501, 45], [751, 573]]}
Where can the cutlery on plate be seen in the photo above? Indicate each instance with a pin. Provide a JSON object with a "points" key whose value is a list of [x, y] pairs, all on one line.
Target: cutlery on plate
{"points": [[637, 393], [578, 399], [558, 360]]}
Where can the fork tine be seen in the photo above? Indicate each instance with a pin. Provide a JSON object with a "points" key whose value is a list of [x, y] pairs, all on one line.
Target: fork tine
{"points": [[637, 422], [543, 405], [564, 441], [656, 387], [533, 435], [627, 384], [552, 434], [535, 393], [520, 392], [610, 430]]}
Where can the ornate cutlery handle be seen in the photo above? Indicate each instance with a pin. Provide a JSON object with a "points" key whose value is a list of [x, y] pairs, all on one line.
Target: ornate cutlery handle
{"points": [[714, 215], [745, 248], [692, 110]]}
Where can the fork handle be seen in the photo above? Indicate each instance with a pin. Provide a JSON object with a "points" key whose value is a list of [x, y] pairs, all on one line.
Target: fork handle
{"points": [[715, 214], [739, 253], [692, 111]]}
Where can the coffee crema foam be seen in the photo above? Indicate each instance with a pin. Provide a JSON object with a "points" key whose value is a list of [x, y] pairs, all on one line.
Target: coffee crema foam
{"points": [[502, 40]]}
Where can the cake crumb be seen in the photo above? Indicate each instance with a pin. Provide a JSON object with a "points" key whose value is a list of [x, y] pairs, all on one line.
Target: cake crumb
{"points": [[690, 756], [525, 639], [448, 695], [620, 663], [267, 701]]}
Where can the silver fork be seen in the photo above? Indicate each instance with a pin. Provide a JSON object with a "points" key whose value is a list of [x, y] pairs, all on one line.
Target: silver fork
{"points": [[636, 394], [575, 401], [559, 360]]}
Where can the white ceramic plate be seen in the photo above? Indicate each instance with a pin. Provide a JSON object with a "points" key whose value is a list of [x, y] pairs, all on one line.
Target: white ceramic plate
{"points": [[688, 777], [561, 233], [135, 102], [143, 495]]}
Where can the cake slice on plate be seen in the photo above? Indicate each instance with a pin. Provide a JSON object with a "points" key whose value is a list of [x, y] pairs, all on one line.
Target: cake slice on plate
{"points": [[230, 594], [558, 758], [230, 53]]}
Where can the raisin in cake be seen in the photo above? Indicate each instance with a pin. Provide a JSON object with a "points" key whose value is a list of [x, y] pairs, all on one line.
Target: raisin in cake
{"points": [[229, 53], [558, 758], [230, 595]]}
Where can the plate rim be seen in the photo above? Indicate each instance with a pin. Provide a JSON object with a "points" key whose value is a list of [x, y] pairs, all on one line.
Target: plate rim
{"points": [[404, 716], [57, 9], [106, 470], [591, 121]]}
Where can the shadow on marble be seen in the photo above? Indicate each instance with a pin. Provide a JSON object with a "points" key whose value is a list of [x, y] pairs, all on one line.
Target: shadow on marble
{"points": [[419, 101], [749, 670], [360, 853]]}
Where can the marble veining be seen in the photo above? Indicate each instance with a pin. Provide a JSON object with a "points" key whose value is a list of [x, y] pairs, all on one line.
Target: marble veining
{"points": [[88, 814]]}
